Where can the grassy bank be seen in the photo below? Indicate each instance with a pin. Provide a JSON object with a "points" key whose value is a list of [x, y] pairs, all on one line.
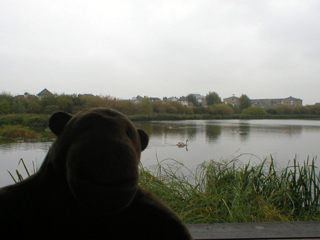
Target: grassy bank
{"points": [[228, 191], [233, 192], [25, 127], [19, 132]]}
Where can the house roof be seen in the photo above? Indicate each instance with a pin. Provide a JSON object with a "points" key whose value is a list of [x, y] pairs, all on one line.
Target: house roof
{"points": [[233, 97], [275, 99], [183, 99], [44, 92]]}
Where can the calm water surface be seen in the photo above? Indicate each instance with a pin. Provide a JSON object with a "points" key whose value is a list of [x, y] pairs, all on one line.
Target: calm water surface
{"points": [[207, 139]]}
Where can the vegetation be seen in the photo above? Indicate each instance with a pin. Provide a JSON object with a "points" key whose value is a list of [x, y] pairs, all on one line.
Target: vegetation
{"points": [[29, 114], [244, 102], [232, 192], [228, 191], [222, 110], [213, 98], [26, 105], [255, 111], [25, 126], [17, 131], [19, 175], [191, 98]]}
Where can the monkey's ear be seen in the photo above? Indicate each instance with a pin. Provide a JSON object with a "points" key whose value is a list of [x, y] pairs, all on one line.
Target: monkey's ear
{"points": [[58, 121]]}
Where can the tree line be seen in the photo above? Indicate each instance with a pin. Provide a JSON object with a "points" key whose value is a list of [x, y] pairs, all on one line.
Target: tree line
{"points": [[73, 103]]}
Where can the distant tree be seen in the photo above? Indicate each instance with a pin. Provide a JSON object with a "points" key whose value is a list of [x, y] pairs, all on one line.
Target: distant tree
{"points": [[193, 99], [50, 109], [257, 111], [244, 102], [91, 101], [5, 106], [146, 106], [177, 105], [201, 110], [222, 109], [301, 110], [126, 107], [18, 106], [33, 105], [236, 109], [315, 109], [188, 110], [272, 111], [284, 109], [6, 101], [158, 107], [49, 100], [171, 109], [65, 103], [213, 98]]}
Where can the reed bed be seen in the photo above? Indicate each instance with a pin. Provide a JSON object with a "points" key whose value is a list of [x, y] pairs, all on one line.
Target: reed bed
{"points": [[16, 131], [229, 191]]}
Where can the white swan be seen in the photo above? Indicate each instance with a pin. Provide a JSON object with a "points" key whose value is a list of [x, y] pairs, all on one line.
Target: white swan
{"points": [[181, 144]]}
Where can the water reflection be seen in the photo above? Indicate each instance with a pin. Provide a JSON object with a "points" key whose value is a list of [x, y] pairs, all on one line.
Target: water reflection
{"points": [[217, 139], [208, 139], [212, 132]]}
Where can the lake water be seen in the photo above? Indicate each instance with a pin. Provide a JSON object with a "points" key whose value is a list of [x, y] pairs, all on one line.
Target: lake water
{"points": [[207, 139]]}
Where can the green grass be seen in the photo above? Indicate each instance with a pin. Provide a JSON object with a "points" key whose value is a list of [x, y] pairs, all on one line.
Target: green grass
{"points": [[233, 192], [229, 191], [16, 132], [19, 175]]}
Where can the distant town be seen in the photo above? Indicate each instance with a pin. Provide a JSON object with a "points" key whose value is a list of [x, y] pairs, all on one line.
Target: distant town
{"points": [[209, 105], [234, 101]]}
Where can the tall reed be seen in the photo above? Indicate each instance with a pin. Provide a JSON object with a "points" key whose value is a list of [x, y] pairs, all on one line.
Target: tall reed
{"points": [[229, 191]]}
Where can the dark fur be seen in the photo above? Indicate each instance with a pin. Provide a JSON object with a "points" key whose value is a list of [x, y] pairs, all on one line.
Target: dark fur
{"points": [[87, 186]]}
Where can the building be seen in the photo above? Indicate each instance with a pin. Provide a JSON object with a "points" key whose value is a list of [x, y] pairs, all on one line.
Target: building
{"points": [[266, 103], [45, 92], [274, 102], [136, 99], [233, 101], [172, 99], [200, 99], [154, 99], [183, 101]]}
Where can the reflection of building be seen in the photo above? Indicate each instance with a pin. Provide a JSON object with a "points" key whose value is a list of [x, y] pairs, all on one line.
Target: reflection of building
{"points": [[267, 102]]}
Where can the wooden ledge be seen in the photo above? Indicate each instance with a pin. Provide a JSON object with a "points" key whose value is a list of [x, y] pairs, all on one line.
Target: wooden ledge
{"points": [[268, 230]]}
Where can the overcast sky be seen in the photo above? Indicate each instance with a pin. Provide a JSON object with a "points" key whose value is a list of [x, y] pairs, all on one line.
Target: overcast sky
{"points": [[125, 48]]}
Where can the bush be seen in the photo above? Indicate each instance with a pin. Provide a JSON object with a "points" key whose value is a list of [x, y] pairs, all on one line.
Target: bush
{"points": [[314, 109], [283, 109], [221, 109], [256, 111], [13, 119], [302, 110], [272, 111], [17, 131]]}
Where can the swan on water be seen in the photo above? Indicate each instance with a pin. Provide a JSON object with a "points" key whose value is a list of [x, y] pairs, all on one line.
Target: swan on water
{"points": [[181, 144]]}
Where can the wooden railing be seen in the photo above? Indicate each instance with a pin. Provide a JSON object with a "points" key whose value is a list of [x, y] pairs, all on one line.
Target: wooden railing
{"points": [[269, 230]]}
